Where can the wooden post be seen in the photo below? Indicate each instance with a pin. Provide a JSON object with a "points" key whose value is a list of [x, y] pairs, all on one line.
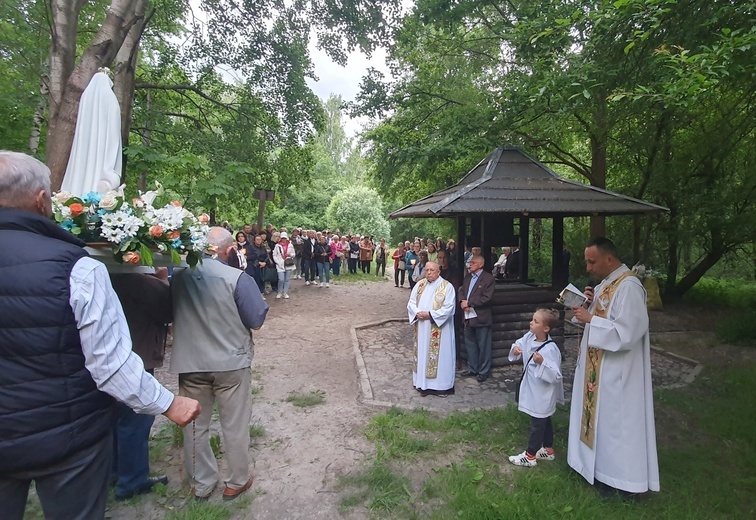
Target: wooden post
{"points": [[524, 247], [557, 244], [262, 195]]}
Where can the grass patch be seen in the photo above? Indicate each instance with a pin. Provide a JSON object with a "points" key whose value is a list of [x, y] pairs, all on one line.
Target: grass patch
{"points": [[458, 462], [215, 445], [379, 488], [256, 390], [256, 430], [304, 400], [358, 277], [738, 327]]}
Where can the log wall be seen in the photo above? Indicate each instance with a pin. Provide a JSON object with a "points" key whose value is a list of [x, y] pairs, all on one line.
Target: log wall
{"points": [[513, 309]]}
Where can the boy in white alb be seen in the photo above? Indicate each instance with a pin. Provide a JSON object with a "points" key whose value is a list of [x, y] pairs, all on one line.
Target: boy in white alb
{"points": [[540, 385]]}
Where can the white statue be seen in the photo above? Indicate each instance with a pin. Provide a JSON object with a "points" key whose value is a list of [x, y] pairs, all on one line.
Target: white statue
{"points": [[95, 162]]}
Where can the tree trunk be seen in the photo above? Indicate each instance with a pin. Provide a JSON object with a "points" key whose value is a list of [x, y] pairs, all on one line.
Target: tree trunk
{"points": [[700, 269], [146, 140], [125, 74], [39, 116], [673, 246], [598, 159], [68, 85]]}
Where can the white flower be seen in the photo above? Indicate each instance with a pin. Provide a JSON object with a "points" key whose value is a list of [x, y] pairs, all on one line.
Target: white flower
{"points": [[62, 196], [109, 201], [149, 197]]}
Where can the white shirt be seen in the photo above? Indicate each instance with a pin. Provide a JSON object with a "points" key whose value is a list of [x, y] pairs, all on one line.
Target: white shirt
{"points": [[106, 342]]}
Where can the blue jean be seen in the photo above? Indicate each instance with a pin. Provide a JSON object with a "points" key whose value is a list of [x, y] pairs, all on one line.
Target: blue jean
{"points": [[324, 269], [283, 281], [131, 450], [336, 266]]}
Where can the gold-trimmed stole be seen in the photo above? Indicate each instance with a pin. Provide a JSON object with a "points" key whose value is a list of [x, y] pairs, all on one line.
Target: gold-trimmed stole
{"points": [[434, 345], [593, 359]]}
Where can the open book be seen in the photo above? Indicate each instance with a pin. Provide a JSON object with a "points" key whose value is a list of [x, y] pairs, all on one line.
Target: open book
{"points": [[571, 296]]}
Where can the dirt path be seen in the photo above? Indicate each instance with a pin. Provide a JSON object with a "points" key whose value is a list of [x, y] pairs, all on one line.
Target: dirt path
{"points": [[306, 346]]}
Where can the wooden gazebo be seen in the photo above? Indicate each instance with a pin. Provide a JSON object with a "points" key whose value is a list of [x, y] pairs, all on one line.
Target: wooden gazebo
{"points": [[493, 205]]}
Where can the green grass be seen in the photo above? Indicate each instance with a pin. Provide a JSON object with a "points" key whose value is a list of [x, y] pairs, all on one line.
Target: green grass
{"points": [[739, 324], [256, 430], [455, 466], [304, 400], [215, 445]]}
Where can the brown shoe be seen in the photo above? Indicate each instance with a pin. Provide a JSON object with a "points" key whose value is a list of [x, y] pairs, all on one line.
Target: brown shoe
{"points": [[230, 494]]}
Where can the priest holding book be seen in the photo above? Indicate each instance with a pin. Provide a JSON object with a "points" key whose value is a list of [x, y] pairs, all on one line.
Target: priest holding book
{"points": [[612, 437]]}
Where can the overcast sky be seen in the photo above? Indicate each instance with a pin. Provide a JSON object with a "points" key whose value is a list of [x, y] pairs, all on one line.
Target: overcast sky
{"points": [[335, 79]]}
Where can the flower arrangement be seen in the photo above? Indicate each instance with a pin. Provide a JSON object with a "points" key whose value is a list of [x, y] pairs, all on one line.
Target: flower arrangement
{"points": [[135, 229]]}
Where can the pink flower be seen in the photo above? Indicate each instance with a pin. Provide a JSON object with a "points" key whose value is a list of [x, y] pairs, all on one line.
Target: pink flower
{"points": [[204, 218], [131, 257], [173, 235], [156, 231], [176, 203]]}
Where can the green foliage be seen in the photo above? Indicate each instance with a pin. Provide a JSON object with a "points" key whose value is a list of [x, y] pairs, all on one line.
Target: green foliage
{"points": [[358, 209], [649, 98]]}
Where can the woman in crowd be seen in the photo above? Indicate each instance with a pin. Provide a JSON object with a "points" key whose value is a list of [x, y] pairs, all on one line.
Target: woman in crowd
{"points": [[399, 266], [410, 260], [500, 267], [432, 252], [451, 253], [354, 254], [298, 243], [366, 254], [337, 253], [419, 271], [322, 254], [283, 256], [345, 249], [381, 253], [241, 254], [257, 261]]}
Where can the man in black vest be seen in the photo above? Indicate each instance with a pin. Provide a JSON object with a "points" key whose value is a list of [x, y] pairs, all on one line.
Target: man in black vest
{"points": [[65, 352]]}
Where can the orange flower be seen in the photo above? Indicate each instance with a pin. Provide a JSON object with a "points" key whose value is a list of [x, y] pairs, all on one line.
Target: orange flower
{"points": [[131, 257], [176, 203], [76, 209], [173, 235], [204, 218], [156, 231]]}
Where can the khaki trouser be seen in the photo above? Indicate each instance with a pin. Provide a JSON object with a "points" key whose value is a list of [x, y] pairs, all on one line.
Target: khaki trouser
{"points": [[231, 391]]}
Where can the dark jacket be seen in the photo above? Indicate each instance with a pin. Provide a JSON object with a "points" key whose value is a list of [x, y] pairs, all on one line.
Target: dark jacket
{"points": [[308, 248], [50, 406], [147, 305], [481, 298], [322, 253], [512, 269]]}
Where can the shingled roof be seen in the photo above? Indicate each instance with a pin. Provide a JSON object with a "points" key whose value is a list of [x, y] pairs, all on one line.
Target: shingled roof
{"points": [[510, 181]]}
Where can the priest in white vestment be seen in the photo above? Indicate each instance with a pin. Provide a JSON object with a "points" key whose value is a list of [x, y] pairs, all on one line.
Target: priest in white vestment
{"points": [[612, 434], [431, 310]]}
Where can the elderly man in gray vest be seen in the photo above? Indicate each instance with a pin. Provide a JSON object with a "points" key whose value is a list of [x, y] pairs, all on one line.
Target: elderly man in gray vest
{"points": [[215, 309]]}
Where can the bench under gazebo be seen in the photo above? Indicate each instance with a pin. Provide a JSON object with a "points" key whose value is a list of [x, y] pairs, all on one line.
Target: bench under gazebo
{"points": [[493, 206]]}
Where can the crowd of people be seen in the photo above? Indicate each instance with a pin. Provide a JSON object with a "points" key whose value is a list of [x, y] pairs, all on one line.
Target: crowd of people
{"points": [[274, 257], [76, 338]]}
